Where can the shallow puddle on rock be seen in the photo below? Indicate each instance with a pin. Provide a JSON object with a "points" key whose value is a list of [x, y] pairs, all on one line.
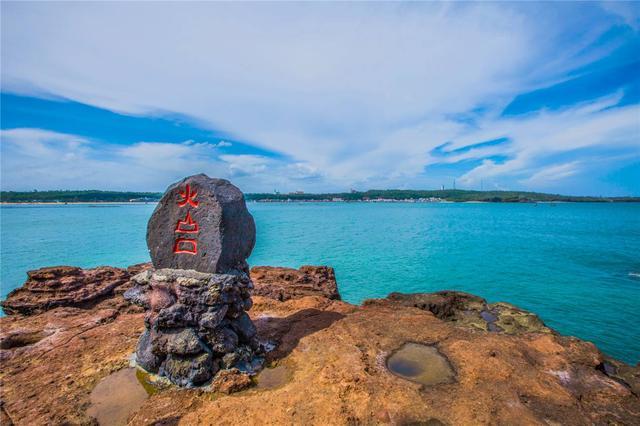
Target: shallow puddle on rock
{"points": [[488, 316], [491, 319], [271, 378], [152, 383], [116, 397], [420, 363]]}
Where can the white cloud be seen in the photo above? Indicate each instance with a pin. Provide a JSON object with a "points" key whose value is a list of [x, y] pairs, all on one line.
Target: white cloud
{"points": [[553, 173], [35, 158], [351, 93], [41, 159], [242, 165], [540, 136], [303, 171]]}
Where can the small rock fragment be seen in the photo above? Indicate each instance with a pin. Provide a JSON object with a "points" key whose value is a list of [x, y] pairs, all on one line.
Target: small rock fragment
{"points": [[230, 381], [189, 371]]}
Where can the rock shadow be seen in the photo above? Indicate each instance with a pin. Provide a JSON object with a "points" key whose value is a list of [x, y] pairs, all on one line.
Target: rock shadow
{"points": [[286, 332], [20, 338], [168, 421]]}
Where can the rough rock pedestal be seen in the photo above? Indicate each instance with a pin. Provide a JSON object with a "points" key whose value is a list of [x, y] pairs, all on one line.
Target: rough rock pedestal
{"points": [[196, 324], [199, 237]]}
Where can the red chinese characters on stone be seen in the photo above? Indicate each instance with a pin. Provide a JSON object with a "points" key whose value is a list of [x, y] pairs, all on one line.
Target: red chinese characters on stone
{"points": [[187, 225], [188, 197], [187, 245]]}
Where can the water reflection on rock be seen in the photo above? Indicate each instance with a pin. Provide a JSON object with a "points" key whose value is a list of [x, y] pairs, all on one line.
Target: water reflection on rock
{"points": [[271, 378], [116, 397], [421, 363]]}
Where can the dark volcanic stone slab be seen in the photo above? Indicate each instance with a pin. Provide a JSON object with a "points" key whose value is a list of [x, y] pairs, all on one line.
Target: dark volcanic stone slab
{"points": [[189, 370], [203, 224], [145, 357]]}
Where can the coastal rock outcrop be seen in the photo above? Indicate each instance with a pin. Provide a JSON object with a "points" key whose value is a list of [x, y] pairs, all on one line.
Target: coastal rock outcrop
{"points": [[56, 286], [202, 224], [287, 283], [332, 362], [468, 311]]}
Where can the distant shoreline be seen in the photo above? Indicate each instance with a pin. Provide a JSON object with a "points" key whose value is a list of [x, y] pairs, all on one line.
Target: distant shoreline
{"points": [[44, 203], [370, 196]]}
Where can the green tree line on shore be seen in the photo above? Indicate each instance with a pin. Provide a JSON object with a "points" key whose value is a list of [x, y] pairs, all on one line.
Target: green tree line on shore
{"points": [[458, 195], [87, 196]]}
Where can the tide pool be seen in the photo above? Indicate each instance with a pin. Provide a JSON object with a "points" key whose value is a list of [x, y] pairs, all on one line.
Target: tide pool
{"points": [[575, 265]]}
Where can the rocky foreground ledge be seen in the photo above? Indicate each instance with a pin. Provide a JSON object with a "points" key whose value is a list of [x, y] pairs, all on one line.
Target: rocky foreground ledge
{"points": [[68, 329]]}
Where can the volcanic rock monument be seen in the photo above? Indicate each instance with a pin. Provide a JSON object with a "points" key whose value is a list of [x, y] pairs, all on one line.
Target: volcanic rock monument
{"points": [[197, 295]]}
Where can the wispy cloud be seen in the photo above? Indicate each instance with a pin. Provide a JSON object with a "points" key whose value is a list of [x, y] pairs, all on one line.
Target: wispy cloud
{"points": [[539, 137], [553, 173], [41, 159], [350, 94]]}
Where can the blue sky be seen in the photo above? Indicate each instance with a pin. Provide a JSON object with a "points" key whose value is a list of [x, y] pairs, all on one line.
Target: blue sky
{"points": [[322, 96]]}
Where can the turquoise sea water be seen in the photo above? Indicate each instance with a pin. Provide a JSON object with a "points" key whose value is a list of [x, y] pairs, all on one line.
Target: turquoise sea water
{"points": [[575, 265]]}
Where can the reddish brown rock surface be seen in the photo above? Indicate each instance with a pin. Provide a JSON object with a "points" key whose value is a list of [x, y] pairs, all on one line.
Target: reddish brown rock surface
{"points": [[230, 381], [333, 355], [54, 359], [49, 288], [287, 283]]}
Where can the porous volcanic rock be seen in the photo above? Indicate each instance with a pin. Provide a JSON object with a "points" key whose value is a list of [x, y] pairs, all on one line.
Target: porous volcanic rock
{"points": [[196, 298], [196, 324], [334, 355], [287, 283], [213, 215], [49, 288]]}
